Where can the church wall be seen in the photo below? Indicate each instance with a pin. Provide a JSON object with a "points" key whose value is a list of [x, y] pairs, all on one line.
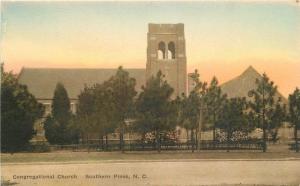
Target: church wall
{"points": [[160, 38]]}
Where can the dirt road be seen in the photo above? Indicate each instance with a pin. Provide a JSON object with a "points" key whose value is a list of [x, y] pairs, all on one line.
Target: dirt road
{"points": [[183, 173]]}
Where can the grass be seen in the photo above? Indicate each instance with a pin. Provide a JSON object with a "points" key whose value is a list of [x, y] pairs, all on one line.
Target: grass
{"points": [[67, 156], [7, 183]]}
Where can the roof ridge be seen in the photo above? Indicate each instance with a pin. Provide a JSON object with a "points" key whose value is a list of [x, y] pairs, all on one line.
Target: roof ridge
{"points": [[54, 68], [251, 69]]}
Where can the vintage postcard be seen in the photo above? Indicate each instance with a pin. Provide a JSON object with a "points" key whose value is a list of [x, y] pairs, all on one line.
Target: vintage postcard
{"points": [[154, 93]]}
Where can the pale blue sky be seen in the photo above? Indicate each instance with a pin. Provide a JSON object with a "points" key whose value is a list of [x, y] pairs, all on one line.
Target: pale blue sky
{"points": [[108, 34]]}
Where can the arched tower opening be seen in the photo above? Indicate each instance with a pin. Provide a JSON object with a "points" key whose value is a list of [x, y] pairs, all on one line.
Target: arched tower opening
{"points": [[171, 50], [161, 51]]}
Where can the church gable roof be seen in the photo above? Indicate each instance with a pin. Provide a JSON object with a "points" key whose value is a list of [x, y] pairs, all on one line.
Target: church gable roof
{"points": [[241, 85], [41, 82]]}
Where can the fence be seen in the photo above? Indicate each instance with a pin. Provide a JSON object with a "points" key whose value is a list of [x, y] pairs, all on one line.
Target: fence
{"points": [[138, 145], [239, 145], [295, 146]]}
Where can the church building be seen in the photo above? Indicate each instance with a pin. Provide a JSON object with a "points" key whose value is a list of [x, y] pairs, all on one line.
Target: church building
{"points": [[165, 52]]}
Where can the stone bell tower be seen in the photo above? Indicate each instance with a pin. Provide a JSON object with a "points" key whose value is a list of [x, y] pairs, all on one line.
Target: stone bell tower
{"points": [[166, 52]]}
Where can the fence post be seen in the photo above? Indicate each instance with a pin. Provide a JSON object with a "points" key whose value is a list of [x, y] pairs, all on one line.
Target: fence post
{"points": [[265, 146], [297, 146]]}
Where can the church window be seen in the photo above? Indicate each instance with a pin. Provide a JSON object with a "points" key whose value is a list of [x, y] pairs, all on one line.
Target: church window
{"points": [[47, 108], [73, 107], [171, 50], [161, 52]]}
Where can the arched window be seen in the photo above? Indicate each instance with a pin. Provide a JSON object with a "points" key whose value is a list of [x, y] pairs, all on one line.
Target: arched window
{"points": [[161, 51], [171, 50]]}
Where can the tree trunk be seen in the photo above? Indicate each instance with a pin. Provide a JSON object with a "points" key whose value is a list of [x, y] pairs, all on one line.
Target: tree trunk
{"points": [[214, 127], [88, 143], [199, 128], [264, 139], [228, 139], [158, 141], [263, 120], [99, 141], [106, 142], [214, 131], [296, 137], [121, 140], [81, 138], [102, 142], [196, 133], [192, 140], [187, 137], [143, 140]]}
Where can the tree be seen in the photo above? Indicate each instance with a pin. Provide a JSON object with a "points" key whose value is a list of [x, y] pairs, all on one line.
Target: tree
{"points": [[85, 111], [105, 107], [201, 89], [58, 128], [122, 89], [191, 113], [234, 119], [263, 105], [277, 115], [95, 112], [104, 115], [19, 111], [155, 110], [294, 113], [214, 100]]}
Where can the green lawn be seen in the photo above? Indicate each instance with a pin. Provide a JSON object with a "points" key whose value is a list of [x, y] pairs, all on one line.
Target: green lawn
{"points": [[67, 156]]}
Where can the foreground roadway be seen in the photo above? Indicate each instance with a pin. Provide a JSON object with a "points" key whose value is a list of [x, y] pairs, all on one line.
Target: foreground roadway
{"points": [[182, 172]]}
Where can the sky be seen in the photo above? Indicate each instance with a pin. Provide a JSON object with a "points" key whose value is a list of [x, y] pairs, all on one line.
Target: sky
{"points": [[222, 38]]}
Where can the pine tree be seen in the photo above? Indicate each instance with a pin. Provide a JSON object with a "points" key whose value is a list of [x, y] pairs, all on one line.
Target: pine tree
{"points": [[294, 114], [276, 116], [58, 128], [85, 111], [61, 104], [192, 108], [122, 90], [19, 111], [155, 111], [263, 104], [214, 100], [95, 114], [234, 118]]}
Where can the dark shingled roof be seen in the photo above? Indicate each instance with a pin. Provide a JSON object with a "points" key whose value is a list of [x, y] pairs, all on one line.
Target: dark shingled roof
{"points": [[41, 82], [241, 85]]}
